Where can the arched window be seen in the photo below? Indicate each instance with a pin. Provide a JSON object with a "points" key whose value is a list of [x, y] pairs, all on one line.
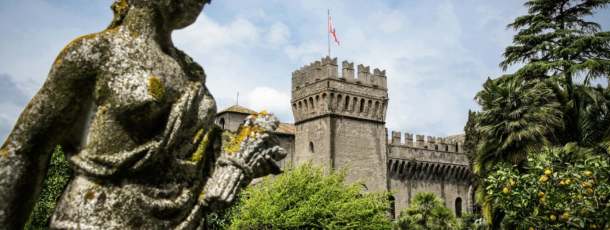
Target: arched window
{"points": [[311, 147], [339, 100], [361, 106], [346, 103], [393, 207], [458, 207], [222, 122], [313, 106], [354, 104]]}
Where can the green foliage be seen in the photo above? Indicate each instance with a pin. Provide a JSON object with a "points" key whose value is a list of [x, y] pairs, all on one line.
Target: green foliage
{"points": [[303, 198], [469, 222], [555, 39], [518, 116], [58, 175], [426, 211], [531, 202]]}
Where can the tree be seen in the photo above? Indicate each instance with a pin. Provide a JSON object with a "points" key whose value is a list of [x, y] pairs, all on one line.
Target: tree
{"points": [[304, 198], [57, 178], [518, 116], [426, 211], [566, 188], [555, 41]]}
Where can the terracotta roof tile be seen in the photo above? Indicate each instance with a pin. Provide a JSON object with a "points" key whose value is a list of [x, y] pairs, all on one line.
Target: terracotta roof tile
{"points": [[238, 109], [286, 128]]}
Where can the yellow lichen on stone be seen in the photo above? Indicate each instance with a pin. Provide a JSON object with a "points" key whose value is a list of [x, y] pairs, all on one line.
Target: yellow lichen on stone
{"points": [[133, 33], [96, 185], [89, 195], [4, 153], [122, 5], [156, 89], [240, 135], [200, 153], [58, 62], [198, 135]]}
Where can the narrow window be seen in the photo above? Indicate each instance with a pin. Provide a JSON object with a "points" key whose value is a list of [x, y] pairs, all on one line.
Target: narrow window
{"points": [[369, 107], [376, 111], [346, 102], [392, 207], [361, 105], [313, 107], [339, 99], [354, 104], [222, 123], [311, 147], [458, 207]]}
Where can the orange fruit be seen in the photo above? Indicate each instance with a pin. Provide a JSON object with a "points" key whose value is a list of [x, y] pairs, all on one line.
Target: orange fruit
{"points": [[591, 192], [505, 190], [553, 218], [562, 183], [565, 215], [547, 172], [541, 194], [588, 173], [543, 179], [568, 181], [542, 200], [512, 182]]}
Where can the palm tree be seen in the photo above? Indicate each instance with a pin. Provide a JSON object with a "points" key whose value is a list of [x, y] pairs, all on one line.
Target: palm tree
{"points": [[518, 116], [426, 211]]}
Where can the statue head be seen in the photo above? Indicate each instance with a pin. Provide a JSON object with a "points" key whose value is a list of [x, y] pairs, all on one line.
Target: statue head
{"points": [[178, 13]]}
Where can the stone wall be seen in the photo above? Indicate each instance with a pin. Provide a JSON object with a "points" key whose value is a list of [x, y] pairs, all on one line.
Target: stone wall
{"points": [[287, 142], [232, 120], [362, 145], [429, 167]]}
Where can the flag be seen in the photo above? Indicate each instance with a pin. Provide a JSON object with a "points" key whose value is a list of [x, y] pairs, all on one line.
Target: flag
{"points": [[332, 30]]}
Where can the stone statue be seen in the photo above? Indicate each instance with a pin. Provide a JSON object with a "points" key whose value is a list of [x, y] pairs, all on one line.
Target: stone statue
{"points": [[136, 121]]}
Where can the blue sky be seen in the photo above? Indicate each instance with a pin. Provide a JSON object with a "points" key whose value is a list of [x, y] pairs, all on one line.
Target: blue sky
{"points": [[436, 53]]}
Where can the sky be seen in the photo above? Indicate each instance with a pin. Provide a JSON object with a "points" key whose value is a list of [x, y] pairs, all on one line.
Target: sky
{"points": [[437, 53]]}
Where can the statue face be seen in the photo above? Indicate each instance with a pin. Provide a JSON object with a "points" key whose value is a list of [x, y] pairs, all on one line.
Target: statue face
{"points": [[182, 13]]}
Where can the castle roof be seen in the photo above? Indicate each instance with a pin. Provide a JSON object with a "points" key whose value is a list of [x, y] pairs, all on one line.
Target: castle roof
{"points": [[286, 128], [283, 128], [238, 109], [457, 138]]}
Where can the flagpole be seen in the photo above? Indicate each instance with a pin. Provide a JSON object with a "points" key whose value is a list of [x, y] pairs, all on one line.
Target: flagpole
{"points": [[328, 31]]}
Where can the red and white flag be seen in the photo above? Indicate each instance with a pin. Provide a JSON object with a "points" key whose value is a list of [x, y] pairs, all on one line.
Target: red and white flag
{"points": [[332, 30]]}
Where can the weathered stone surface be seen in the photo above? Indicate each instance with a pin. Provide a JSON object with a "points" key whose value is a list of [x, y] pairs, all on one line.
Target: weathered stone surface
{"points": [[136, 121]]}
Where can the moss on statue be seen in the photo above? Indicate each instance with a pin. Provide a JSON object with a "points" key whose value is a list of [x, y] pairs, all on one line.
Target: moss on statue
{"points": [[156, 89], [57, 177]]}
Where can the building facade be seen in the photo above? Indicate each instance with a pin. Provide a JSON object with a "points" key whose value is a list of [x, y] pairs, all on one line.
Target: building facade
{"points": [[340, 121]]}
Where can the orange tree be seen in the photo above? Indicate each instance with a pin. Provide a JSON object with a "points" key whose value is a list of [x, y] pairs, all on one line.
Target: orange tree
{"points": [[564, 188]]}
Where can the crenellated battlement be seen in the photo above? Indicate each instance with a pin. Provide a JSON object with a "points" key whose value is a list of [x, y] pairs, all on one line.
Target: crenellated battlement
{"points": [[432, 143], [327, 68], [318, 90]]}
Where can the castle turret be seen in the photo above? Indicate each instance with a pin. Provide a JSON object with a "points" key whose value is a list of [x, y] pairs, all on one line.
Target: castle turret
{"points": [[342, 119]]}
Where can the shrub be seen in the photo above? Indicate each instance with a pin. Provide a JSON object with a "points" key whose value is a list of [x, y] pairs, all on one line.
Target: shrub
{"points": [[304, 198]]}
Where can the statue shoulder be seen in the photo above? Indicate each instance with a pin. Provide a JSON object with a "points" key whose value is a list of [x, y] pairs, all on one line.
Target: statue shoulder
{"points": [[194, 70], [87, 51]]}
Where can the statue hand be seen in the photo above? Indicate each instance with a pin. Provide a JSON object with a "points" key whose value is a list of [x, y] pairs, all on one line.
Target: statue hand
{"points": [[260, 147]]}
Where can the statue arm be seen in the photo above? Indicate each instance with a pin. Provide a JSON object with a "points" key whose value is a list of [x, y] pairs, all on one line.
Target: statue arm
{"points": [[251, 152], [50, 115]]}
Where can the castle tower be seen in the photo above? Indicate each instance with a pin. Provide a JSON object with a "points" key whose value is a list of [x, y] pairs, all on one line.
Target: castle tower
{"points": [[341, 119]]}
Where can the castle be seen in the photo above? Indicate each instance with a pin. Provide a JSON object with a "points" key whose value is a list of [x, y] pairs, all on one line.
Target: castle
{"points": [[340, 120]]}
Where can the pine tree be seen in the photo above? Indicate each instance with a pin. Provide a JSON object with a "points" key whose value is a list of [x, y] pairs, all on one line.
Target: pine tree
{"points": [[555, 41]]}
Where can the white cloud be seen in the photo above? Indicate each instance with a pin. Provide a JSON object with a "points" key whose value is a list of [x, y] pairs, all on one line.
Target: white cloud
{"points": [[265, 98], [278, 34], [206, 34]]}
